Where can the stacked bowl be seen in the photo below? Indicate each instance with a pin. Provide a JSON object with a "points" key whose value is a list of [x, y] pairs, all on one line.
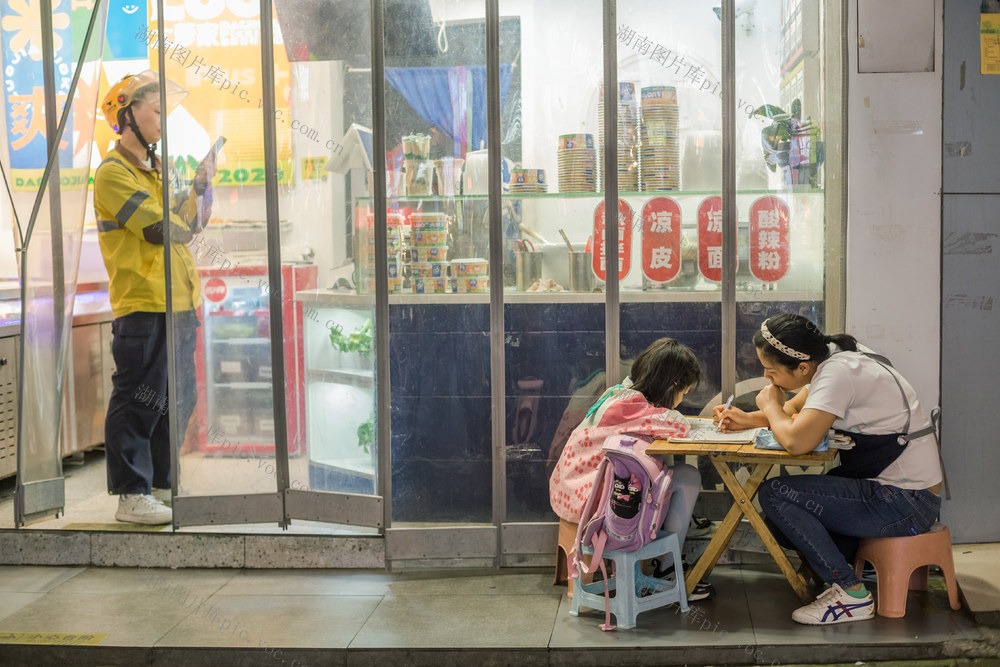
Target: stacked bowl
{"points": [[659, 140], [628, 135], [577, 163], [429, 252]]}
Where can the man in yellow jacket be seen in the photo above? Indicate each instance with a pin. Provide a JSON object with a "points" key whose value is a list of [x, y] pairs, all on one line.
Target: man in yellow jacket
{"points": [[128, 201]]}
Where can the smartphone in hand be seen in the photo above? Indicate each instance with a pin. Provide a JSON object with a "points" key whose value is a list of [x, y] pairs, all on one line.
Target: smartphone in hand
{"points": [[216, 148], [206, 168]]}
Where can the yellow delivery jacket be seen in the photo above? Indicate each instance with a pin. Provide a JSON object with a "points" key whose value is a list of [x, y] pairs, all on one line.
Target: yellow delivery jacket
{"points": [[128, 201]]}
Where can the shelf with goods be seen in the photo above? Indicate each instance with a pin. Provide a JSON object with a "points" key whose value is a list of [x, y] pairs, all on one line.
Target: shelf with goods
{"points": [[343, 298], [790, 220], [340, 395], [234, 360]]}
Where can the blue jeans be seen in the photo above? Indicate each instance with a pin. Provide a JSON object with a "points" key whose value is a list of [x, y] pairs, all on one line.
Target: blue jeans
{"points": [[824, 516], [137, 428]]}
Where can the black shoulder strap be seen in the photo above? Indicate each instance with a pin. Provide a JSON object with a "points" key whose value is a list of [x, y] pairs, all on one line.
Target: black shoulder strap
{"points": [[878, 359], [932, 429]]}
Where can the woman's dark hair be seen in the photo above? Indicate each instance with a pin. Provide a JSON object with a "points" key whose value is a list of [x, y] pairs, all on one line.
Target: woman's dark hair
{"points": [[800, 335], [664, 369]]}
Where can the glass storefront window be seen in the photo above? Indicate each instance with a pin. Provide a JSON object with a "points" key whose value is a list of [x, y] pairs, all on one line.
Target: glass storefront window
{"points": [[446, 359], [228, 447], [787, 202], [435, 132], [554, 325], [670, 174], [331, 246]]}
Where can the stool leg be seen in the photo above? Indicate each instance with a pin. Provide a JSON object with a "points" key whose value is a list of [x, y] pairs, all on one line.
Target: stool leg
{"points": [[947, 566], [560, 566], [892, 591], [623, 604], [949, 578], [574, 609]]}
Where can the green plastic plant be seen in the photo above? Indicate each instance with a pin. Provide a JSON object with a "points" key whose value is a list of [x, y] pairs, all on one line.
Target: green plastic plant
{"points": [[366, 434], [337, 338], [361, 340]]}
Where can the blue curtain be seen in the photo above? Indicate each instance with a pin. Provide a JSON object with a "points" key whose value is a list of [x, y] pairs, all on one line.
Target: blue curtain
{"points": [[441, 96]]}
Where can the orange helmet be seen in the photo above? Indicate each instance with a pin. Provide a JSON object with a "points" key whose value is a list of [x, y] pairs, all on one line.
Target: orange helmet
{"points": [[136, 88]]}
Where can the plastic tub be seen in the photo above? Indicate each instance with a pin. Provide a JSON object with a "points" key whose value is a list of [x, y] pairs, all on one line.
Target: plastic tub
{"points": [[429, 269], [430, 253], [430, 285], [472, 284], [473, 266], [424, 238]]}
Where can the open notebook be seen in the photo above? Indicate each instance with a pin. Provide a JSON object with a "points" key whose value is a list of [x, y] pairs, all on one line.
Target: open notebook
{"points": [[704, 430]]}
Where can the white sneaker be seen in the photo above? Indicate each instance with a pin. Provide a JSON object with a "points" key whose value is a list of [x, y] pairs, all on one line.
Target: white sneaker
{"points": [[142, 508], [834, 605], [163, 495]]}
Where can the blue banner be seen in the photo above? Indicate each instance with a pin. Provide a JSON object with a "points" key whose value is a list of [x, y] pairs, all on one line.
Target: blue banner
{"points": [[125, 19], [24, 87]]}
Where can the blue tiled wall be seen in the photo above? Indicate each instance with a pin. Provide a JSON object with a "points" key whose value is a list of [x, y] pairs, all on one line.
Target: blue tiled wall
{"points": [[440, 374]]}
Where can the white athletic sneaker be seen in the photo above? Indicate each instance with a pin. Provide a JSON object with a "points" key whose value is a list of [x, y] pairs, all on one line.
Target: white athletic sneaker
{"points": [[163, 495], [142, 508], [834, 605]]}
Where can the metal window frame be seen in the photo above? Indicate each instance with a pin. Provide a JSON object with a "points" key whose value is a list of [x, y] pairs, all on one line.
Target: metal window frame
{"points": [[403, 542]]}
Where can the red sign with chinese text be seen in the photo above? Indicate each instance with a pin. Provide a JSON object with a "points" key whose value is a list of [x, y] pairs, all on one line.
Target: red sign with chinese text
{"points": [[215, 289], [624, 240], [710, 238], [661, 239], [769, 253]]}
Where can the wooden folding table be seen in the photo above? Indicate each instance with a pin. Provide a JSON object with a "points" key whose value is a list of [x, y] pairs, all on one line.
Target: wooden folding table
{"points": [[759, 463]]}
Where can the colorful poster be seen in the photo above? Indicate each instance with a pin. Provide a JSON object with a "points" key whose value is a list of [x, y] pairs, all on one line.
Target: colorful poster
{"points": [[624, 241], [213, 50], [989, 43], [24, 87], [661, 239], [769, 250]]}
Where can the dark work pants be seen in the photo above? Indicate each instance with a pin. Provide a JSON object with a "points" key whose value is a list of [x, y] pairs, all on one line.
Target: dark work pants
{"points": [[137, 431]]}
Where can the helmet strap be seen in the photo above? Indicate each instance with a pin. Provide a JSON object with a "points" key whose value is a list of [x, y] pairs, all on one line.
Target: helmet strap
{"points": [[150, 148]]}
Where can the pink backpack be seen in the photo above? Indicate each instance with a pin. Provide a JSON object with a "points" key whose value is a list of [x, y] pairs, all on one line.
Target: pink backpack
{"points": [[625, 509]]}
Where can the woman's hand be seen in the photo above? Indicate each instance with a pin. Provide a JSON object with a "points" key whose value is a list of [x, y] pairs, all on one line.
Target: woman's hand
{"points": [[205, 173], [769, 396], [734, 419]]}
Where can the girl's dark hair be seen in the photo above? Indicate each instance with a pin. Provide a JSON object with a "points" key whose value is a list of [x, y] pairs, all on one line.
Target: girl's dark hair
{"points": [[664, 369], [801, 335]]}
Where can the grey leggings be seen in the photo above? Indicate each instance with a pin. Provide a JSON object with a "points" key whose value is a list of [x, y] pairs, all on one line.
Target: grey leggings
{"points": [[687, 483]]}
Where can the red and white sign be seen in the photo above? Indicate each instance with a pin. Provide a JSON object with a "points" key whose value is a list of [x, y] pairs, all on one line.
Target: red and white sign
{"points": [[710, 238], [661, 239], [624, 240], [215, 289], [769, 252]]}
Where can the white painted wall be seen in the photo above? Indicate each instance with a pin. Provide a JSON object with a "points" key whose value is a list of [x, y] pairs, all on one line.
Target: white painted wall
{"points": [[894, 212]]}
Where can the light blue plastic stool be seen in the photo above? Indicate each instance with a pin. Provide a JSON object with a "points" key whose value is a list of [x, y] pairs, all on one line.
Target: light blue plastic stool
{"points": [[626, 605]]}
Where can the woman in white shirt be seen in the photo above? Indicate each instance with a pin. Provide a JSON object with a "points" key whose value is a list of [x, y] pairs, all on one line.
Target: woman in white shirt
{"points": [[888, 485]]}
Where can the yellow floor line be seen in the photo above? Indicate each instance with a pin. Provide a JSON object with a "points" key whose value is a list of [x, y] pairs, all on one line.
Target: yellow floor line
{"points": [[120, 527], [53, 638]]}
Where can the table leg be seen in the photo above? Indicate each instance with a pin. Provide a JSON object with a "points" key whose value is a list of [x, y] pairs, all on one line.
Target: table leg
{"points": [[744, 499], [719, 542]]}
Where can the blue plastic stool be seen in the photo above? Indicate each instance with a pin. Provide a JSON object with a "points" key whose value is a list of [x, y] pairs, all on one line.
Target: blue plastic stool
{"points": [[626, 605]]}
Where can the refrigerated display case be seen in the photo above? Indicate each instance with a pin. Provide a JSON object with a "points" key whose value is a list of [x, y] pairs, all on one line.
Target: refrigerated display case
{"points": [[233, 359], [340, 394]]}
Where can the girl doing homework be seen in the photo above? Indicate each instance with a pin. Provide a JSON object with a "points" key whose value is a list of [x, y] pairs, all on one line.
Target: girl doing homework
{"points": [[642, 405], [888, 485]]}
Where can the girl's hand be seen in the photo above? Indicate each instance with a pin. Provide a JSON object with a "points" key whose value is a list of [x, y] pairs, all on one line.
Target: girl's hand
{"points": [[732, 419], [770, 395]]}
